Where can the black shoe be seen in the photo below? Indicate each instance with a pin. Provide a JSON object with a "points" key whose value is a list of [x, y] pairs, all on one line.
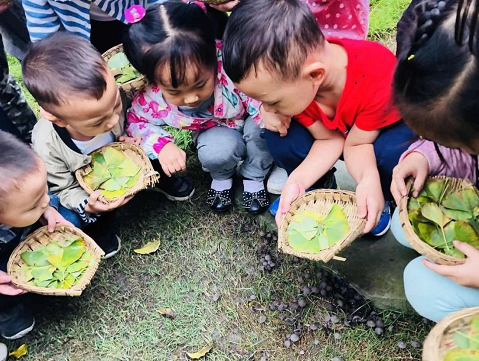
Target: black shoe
{"points": [[16, 322], [219, 201], [110, 243], [255, 203], [327, 181], [175, 188]]}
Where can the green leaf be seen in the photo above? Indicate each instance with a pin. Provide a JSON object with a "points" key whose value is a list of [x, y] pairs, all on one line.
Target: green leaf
{"points": [[301, 244], [73, 252], [434, 189], [465, 200], [432, 212], [113, 157], [475, 323], [43, 273], [453, 252], [129, 168], [456, 214], [118, 61], [67, 282], [307, 228], [111, 185], [98, 158], [464, 232], [113, 194], [133, 181], [35, 258]]}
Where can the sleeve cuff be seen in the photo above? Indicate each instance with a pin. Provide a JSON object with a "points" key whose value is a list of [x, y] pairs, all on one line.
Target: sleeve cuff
{"points": [[86, 217]]}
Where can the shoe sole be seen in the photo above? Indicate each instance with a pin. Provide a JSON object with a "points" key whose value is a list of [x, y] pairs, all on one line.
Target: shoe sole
{"points": [[112, 253], [21, 333], [173, 198], [274, 190], [383, 232]]}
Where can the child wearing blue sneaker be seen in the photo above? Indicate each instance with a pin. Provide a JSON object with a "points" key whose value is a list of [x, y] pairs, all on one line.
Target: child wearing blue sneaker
{"points": [[435, 92], [338, 91]]}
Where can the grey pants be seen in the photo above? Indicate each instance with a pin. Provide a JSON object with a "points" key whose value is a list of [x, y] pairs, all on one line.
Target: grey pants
{"points": [[220, 149]]}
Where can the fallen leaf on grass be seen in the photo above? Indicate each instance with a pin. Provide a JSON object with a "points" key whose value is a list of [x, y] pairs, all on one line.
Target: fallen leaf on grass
{"points": [[200, 353], [19, 352], [148, 248], [167, 312]]}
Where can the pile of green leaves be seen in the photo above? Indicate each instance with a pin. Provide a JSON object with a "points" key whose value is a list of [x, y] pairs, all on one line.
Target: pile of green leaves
{"points": [[312, 232], [440, 216], [112, 173], [60, 264], [122, 69], [466, 344]]}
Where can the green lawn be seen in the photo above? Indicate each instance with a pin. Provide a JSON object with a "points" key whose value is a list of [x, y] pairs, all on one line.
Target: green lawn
{"points": [[206, 270]]}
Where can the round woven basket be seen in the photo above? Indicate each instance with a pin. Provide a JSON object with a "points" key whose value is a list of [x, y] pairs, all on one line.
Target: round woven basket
{"points": [[440, 339], [322, 201], [42, 237], [148, 176], [132, 85], [419, 245]]}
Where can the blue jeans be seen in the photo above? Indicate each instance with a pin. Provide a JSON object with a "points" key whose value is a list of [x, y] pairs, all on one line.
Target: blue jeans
{"points": [[289, 152], [432, 296], [68, 214]]}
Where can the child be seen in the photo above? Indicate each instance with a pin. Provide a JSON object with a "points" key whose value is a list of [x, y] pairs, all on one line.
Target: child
{"points": [[337, 90], [174, 45], [336, 18], [23, 201], [436, 93], [81, 112]]}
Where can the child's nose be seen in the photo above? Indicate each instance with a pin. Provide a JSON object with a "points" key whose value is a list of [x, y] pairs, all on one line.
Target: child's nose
{"points": [[191, 99]]}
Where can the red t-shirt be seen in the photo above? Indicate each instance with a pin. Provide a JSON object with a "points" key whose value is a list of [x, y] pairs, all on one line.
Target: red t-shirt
{"points": [[366, 100]]}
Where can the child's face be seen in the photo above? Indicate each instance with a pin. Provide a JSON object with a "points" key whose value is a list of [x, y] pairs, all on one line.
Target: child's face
{"points": [[286, 97], [27, 200], [197, 87], [88, 116]]}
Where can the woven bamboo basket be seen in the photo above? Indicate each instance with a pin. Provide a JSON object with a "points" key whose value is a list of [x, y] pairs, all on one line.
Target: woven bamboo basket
{"points": [[42, 237], [148, 176], [322, 201], [419, 245], [132, 85], [440, 339]]}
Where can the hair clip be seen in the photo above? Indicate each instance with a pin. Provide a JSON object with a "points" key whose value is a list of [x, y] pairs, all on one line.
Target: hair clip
{"points": [[134, 13], [410, 57]]}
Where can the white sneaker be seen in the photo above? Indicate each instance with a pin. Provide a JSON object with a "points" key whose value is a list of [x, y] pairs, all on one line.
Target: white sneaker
{"points": [[3, 352], [276, 180]]}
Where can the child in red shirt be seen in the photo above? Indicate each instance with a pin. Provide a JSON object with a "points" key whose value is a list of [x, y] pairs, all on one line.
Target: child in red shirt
{"points": [[341, 91]]}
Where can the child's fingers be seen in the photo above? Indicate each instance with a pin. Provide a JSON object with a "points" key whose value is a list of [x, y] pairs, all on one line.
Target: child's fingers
{"points": [[10, 290], [52, 222], [4, 277], [115, 204], [362, 210], [447, 271], [466, 248], [395, 192], [419, 182]]}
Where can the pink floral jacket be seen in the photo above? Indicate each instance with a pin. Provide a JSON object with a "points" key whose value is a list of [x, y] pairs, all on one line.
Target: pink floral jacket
{"points": [[149, 111]]}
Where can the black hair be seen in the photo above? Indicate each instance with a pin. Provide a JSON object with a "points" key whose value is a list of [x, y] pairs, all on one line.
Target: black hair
{"points": [[61, 66], [174, 35], [436, 82], [17, 160], [277, 34]]}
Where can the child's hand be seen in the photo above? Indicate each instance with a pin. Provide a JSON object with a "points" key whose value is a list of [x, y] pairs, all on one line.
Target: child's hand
{"points": [[466, 274], [289, 194], [136, 140], [275, 122], [95, 206], [416, 165], [226, 7], [51, 218], [369, 196], [7, 287], [172, 159]]}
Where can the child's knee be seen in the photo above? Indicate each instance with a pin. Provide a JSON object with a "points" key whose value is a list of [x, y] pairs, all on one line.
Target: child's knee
{"points": [[213, 157], [397, 230]]}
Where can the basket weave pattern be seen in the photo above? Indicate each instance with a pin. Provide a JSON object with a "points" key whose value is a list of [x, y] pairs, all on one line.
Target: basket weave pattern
{"points": [[132, 85], [419, 245], [321, 201], [148, 176], [440, 339], [42, 237]]}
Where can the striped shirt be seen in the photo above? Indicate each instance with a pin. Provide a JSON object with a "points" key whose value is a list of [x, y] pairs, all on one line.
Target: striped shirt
{"points": [[44, 17]]}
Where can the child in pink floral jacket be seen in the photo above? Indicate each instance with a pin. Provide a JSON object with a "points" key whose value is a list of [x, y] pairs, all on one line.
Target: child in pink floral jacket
{"points": [[189, 90]]}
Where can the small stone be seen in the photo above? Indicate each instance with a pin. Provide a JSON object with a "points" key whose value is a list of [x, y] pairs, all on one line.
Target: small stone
{"points": [[371, 324], [337, 336], [306, 291], [267, 257], [327, 318], [262, 319], [288, 336], [294, 338], [415, 344], [379, 331], [323, 293], [402, 345], [287, 343], [252, 297], [313, 327], [262, 233], [302, 302], [337, 359], [316, 342], [315, 290], [390, 328], [340, 303], [379, 323], [216, 297], [301, 352]]}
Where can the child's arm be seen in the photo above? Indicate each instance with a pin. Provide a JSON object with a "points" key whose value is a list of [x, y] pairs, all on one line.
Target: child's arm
{"points": [[324, 153], [360, 160]]}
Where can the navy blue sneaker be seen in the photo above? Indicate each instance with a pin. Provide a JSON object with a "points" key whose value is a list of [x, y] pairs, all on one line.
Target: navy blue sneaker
{"points": [[384, 222], [328, 181]]}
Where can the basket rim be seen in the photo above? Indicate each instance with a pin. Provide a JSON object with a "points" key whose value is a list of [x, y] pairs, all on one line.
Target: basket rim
{"points": [[76, 289], [133, 84], [420, 246], [432, 344], [356, 225], [150, 175]]}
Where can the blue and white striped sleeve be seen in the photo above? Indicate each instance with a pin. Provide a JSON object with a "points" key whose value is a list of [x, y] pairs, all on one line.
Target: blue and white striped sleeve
{"points": [[41, 19]]}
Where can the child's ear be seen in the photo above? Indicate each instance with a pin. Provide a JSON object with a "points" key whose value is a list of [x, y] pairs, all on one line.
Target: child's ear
{"points": [[51, 118], [315, 72]]}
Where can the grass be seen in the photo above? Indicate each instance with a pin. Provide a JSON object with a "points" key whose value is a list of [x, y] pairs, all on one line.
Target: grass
{"points": [[202, 254]]}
